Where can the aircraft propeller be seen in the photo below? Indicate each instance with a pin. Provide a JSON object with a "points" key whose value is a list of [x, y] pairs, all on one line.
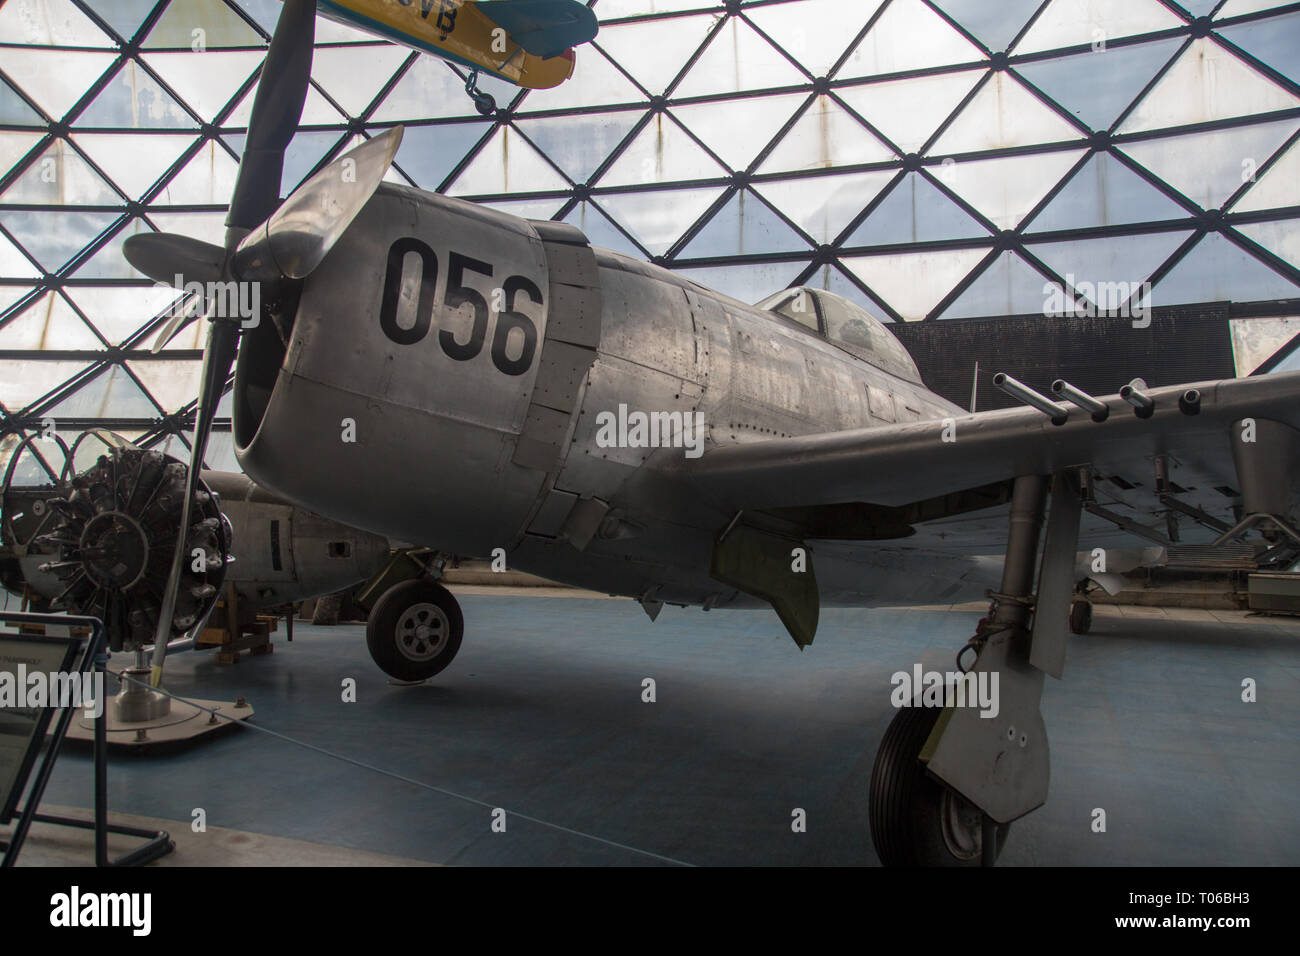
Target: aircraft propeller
{"points": [[266, 240]]}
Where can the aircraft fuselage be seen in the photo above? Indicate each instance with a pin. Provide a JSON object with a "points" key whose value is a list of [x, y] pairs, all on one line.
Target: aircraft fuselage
{"points": [[474, 381]]}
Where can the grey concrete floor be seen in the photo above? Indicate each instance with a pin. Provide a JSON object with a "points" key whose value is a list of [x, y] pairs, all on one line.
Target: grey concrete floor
{"points": [[542, 715]]}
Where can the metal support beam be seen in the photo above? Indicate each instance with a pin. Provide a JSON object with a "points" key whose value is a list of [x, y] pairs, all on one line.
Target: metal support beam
{"points": [[1128, 524], [1250, 521], [1196, 514]]}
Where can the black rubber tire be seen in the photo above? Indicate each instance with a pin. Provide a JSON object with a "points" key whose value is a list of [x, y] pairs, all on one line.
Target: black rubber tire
{"points": [[1080, 617], [381, 629], [905, 803]]}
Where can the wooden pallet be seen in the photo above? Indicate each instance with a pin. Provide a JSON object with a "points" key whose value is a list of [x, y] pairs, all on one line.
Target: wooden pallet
{"points": [[233, 629]]}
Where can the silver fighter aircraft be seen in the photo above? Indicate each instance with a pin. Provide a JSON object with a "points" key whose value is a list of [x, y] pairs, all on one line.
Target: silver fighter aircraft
{"points": [[443, 373]]}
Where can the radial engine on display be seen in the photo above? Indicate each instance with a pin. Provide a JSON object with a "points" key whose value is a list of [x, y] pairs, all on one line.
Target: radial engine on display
{"points": [[100, 542]]}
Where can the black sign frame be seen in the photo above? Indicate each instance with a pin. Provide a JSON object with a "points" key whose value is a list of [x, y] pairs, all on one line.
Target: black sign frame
{"points": [[93, 662], [72, 643]]}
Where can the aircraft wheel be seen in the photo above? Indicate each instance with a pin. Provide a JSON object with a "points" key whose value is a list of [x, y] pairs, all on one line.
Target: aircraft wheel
{"points": [[414, 629], [1080, 617], [915, 819], [485, 104]]}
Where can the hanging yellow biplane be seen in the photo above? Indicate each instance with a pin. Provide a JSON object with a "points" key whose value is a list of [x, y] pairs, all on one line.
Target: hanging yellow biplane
{"points": [[525, 42]]}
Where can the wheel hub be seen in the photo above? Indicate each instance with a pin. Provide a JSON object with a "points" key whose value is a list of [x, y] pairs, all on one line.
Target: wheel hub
{"points": [[963, 825], [422, 632]]}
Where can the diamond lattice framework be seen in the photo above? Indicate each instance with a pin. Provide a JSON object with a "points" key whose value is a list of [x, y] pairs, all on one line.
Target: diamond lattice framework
{"points": [[929, 159]]}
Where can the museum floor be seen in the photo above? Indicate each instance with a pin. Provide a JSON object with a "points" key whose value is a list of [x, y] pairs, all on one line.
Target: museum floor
{"points": [[542, 715]]}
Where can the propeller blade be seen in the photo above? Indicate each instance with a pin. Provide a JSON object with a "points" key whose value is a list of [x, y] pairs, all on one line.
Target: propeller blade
{"points": [[175, 260], [177, 322], [277, 108], [218, 356], [302, 231]]}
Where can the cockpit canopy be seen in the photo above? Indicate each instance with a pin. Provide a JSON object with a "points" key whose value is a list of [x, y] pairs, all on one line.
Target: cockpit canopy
{"points": [[845, 324]]}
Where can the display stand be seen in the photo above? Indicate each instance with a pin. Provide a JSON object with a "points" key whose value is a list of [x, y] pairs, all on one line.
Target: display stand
{"points": [[83, 647]]}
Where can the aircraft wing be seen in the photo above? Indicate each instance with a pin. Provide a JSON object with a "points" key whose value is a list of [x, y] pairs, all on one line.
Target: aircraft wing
{"points": [[544, 28], [903, 464]]}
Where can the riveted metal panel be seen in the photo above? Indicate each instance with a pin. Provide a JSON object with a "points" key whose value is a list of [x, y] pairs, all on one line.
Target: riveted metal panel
{"points": [[563, 368], [542, 439], [583, 522], [572, 265], [568, 348], [555, 509], [594, 469], [551, 231], [575, 314]]}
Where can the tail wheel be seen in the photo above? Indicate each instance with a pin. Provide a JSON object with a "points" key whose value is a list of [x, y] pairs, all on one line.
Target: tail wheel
{"points": [[414, 630], [915, 819]]}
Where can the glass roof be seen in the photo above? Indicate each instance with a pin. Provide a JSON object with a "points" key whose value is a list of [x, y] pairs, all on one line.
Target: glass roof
{"points": [[926, 159]]}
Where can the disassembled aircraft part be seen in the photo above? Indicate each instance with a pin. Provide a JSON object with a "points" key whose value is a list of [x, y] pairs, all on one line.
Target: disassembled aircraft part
{"points": [[1099, 410], [1164, 491], [1250, 521], [1135, 394], [1080, 616], [1021, 392], [112, 538], [285, 553], [1162, 474], [1126, 523], [1198, 515], [415, 629]]}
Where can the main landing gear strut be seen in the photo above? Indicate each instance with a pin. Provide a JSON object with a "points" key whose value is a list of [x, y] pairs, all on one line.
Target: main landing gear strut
{"points": [[947, 783]]}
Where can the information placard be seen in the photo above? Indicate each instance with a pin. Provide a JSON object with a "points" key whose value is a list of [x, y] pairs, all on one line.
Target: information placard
{"points": [[35, 678]]}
